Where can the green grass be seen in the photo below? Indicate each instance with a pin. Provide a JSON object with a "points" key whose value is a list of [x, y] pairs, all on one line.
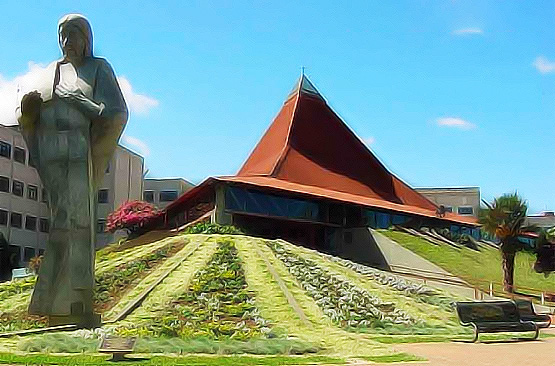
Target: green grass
{"points": [[396, 357], [100, 360], [479, 268], [67, 343]]}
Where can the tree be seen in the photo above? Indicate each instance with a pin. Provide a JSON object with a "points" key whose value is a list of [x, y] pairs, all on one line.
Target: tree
{"points": [[545, 252], [131, 216], [505, 218]]}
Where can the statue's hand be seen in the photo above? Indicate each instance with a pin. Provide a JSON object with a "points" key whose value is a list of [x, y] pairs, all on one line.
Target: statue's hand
{"points": [[30, 105], [75, 96]]}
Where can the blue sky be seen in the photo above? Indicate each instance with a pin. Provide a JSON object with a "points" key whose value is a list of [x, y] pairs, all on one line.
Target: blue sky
{"points": [[446, 93]]}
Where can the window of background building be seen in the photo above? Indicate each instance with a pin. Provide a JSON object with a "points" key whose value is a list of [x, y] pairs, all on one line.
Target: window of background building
{"points": [[102, 196], [5, 149], [44, 196], [31, 223], [16, 220], [41, 251], [101, 226], [3, 217], [148, 196], [19, 155], [17, 188], [4, 184], [167, 196], [32, 192], [44, 227], [448, 209], [28, 253], [465, 210]]}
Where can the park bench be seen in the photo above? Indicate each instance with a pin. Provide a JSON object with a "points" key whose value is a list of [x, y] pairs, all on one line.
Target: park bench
{"points": [[527, 313], [494, 317]]}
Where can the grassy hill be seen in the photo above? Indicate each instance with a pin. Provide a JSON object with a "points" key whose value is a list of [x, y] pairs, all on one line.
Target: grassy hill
{"points": [[229, 294], [476, 267]]}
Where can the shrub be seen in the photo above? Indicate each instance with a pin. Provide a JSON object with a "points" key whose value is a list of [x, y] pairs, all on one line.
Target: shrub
{"points": [[131, 216], [208, 228]]}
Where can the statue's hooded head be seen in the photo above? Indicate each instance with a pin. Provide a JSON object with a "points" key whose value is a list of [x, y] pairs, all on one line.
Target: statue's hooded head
{"points": [[80, 26]]}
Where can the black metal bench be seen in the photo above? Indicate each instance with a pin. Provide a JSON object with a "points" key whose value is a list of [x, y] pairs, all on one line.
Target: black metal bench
{"points": [[494, 317], [527, 313]]}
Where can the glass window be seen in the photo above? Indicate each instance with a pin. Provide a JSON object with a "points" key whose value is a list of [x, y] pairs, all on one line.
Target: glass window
{"points": [[28, 253], [102, 196], [19, 155], [17, 188], [448, 208], [465, 210], [44, 226], [41, 251], [4, 184], [383, 220], [168, 196], [3, 217], [31, 223], [44, 194], [148, 196], [5, 149], [108, 167], [16, 220], [101, 226], [32, 192]]}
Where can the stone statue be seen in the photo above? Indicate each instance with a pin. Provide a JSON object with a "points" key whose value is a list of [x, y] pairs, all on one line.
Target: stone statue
{"points": [[71, 124]]}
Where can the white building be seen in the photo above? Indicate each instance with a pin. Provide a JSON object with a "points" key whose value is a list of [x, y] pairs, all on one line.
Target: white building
{"points": [[160, 192], [460, 200], [24, 215]]}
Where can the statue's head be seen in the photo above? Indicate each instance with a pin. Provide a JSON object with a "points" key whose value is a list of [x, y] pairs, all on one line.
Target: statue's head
{"points": [[75, 37]]}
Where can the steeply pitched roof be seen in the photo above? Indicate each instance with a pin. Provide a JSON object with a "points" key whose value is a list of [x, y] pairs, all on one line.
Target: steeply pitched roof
{"points": [[309, 144]]}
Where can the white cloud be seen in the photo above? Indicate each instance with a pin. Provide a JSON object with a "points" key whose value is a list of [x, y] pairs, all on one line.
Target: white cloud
{"points": [[543, 65], [134, 143], [137, 103], [455, 123], [467, 31], [10, 97], [369, 140]]}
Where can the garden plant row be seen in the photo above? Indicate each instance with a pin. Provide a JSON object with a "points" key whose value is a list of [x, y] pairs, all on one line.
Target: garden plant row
{"points": [[346, 304], [217, 304]]}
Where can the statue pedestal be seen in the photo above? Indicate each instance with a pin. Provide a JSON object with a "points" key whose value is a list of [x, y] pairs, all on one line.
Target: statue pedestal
{"points": [[88, 321]]}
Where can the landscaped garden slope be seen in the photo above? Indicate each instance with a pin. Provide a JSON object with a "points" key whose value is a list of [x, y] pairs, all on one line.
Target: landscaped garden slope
{"points": [[478, 268], [238, 294]]}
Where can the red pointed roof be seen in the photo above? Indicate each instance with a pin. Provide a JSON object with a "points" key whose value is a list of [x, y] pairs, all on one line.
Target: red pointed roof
{"points": [[309, 150], [309, 144]]}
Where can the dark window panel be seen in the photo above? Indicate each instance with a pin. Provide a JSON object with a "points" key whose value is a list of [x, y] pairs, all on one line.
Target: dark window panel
{"points": [[44, 226], [17, 188], [19, 155], [16, 220], [102, 196], [31, 223], [168, 196], [3, 217], [5, 149], [32, 192], [148, 196], [4, 184]]}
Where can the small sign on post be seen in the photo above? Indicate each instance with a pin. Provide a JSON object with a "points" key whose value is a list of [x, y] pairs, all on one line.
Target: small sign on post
{"points": [[117, 346]]}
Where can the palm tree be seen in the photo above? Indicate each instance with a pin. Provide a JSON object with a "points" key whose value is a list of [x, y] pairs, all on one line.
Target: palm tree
{"points": [[505, 218]]}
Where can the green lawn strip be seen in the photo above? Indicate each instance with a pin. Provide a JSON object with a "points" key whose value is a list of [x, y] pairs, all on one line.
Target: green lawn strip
{"points": [[274, 306], [117, 258], [434, 316], [110, 286], [173, 286], [397, 339], [476, 267], [149, 280], [103, 360], [397, 357], [70, 342]]}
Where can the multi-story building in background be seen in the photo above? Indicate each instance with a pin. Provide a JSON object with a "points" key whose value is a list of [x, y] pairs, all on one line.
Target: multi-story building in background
{"points": [[460, 200], [24, 214], [544, 220], [123, 182], [160, 192]]}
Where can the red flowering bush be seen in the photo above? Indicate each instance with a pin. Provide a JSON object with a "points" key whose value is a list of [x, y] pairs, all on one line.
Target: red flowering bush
{"points": [[131, 216]]}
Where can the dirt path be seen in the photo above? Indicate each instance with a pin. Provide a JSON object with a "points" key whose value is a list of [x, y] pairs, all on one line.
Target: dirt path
{"points": [[506, 353]]}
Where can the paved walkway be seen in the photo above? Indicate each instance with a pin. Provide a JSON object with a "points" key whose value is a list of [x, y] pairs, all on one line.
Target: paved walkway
{"points": [[505, 353]]}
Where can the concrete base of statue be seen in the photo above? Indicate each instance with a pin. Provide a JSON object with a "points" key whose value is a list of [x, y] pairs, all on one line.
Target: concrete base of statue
{"points": [[88, 321]]}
